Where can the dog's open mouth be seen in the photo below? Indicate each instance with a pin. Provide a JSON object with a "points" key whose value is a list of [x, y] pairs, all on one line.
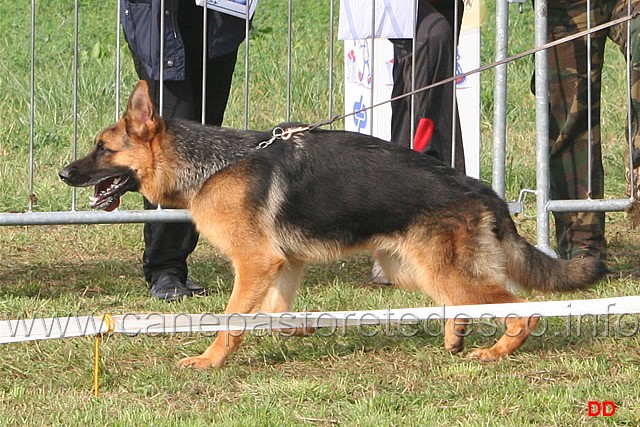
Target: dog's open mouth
{"points": [[108, 192]]}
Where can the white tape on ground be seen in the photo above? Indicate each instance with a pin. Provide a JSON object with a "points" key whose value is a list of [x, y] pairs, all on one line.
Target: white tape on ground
{"points": [[50, 328], [162, 323]]}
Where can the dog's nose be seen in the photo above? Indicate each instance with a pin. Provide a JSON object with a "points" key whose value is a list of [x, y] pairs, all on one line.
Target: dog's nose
{"points": [[66, 173]]}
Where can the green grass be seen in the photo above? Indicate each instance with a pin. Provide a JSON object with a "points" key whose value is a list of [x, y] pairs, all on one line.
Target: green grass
{"points": [[343, 379]]}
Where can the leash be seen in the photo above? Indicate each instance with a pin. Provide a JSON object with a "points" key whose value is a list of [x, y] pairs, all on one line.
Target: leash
{"points": [[285, 134]]}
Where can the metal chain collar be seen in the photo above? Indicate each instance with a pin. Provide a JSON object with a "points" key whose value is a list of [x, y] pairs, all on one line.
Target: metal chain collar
{"points": [[284, 134]]}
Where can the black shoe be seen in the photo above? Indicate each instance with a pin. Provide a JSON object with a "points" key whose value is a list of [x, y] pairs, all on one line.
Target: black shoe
{"points": [[194, 288], [168, 287]]}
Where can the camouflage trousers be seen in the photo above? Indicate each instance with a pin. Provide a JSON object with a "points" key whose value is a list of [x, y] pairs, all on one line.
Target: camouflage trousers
{"points": [[582, 233]]}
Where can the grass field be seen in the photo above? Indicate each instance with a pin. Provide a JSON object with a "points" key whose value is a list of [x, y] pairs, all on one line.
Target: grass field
{"points": [[346, 378]]}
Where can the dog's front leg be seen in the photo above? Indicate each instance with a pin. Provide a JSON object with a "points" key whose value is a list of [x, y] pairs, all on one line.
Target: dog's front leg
{"points": [[252, 281]]}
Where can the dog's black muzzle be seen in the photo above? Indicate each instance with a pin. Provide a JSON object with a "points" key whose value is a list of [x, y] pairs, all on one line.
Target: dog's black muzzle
{"points": [[110, 183]]}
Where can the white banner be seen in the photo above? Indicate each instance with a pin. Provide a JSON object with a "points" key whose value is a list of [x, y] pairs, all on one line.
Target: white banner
{"points": [[236, 8], [364, 59], [393, 19]]}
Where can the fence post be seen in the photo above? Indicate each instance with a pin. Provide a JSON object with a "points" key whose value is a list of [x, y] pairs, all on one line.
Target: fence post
{"points": [[542, 129]]}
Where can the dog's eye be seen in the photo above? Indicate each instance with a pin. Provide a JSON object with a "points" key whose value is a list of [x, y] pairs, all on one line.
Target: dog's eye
{"points": [[100, 147]]}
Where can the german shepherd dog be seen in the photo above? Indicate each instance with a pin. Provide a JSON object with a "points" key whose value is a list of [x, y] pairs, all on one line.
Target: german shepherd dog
{"points": [[274, 207]]}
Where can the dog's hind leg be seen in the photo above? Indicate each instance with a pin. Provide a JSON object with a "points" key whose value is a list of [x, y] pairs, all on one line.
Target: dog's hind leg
{"points": [[415, 273], [517, 329], [454, 275], [254, 275], [468, 268]]}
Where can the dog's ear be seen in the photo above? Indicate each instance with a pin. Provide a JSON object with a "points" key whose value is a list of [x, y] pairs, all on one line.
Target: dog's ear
{"points": [[141, 118]]}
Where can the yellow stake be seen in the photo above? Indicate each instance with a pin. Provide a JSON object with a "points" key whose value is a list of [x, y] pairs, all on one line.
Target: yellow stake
{"points": [[96, 366], [111, 325]]}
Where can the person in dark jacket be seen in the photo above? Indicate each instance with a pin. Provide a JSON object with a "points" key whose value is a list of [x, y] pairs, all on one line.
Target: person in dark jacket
{"points": [[167, 245]]}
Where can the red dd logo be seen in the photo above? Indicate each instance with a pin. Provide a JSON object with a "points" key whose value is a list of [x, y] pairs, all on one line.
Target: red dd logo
{"points": [[605, 408]]}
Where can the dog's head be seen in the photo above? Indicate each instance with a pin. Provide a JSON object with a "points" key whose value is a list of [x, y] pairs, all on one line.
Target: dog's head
{"points": [[122, 155]]}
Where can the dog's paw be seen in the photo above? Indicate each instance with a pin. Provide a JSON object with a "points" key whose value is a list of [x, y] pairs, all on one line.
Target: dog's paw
{"points": [[485, 354], [297, 332], [197, 362], [454, 348]]}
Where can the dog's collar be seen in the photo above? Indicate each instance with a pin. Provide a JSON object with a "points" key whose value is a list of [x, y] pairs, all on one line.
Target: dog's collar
{"points": [[284, 134]]}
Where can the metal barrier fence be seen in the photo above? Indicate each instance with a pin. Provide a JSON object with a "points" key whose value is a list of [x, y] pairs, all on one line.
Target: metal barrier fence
{"points": [[32, 216], [72, 215], [543, 200]]}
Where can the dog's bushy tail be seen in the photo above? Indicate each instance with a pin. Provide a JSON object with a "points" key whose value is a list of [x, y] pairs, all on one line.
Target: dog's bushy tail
{"points": [[533, 269]]}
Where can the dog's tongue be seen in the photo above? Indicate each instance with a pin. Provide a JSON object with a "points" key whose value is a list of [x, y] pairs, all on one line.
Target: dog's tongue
{"points": [[114, 204], [101, 188]]}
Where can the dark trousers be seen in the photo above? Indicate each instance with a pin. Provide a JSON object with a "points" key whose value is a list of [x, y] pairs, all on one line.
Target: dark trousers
{"points": [[167, 245], [434, 61], [580, 233]]}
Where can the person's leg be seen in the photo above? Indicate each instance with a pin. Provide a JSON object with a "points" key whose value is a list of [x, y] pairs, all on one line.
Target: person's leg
{"points": [[619, 35], [218, 87], [577, 234], [400, 115], [433, 109], [449, 129], [167, 245]]}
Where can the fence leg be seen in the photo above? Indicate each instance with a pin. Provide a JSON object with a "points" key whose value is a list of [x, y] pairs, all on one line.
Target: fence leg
{"points": [[542, 130]]}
